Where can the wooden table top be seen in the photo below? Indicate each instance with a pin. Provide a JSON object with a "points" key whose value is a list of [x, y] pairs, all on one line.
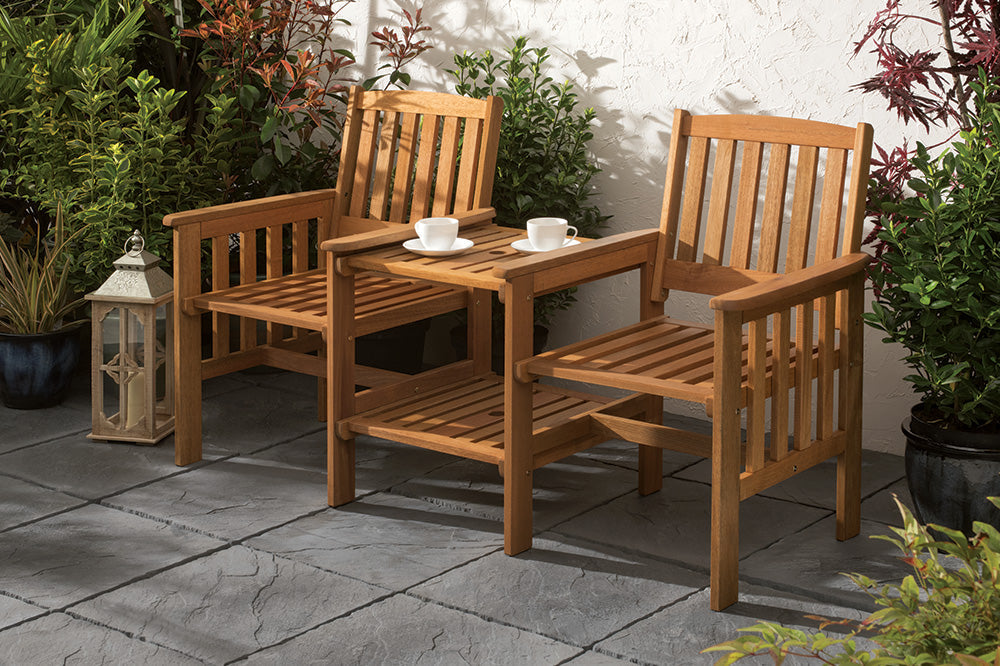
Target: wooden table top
{"points": [[472, 268]]}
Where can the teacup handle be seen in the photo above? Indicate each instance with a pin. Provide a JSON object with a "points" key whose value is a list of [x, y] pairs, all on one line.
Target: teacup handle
{"points": [[569, 229]]}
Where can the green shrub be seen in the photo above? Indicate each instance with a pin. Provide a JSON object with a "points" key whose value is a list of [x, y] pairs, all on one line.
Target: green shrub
{"points": [[544, 165], [937, 285], [946, 612]]}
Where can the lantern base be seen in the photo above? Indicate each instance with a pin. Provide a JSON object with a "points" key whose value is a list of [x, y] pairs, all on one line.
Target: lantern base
{"points": [[113, 434]]}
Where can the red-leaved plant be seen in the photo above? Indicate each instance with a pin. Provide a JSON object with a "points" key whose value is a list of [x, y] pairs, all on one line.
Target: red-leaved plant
{"points": [[284, 63], [927, 86]]}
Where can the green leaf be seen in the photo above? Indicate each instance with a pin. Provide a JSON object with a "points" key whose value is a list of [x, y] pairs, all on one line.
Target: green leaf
{"points": [[270, 127]]}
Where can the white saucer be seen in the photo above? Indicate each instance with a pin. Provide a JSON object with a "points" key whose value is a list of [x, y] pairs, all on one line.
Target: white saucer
{"points": [[460, 245], [525, 246]]}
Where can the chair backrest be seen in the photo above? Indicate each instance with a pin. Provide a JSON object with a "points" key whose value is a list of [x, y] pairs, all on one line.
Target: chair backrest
{"points": [[410, 154], [748, 222]]}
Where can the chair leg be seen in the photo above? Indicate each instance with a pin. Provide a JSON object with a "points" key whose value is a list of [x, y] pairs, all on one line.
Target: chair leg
{"points": [[725, 538], [339, 392], [849, 462], [518, 460], [651, 457], [187, 387], [339, 467], [321, 391]]}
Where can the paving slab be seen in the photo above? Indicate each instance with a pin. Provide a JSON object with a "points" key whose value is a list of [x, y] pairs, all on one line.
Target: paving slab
{"points": [[230, 499], [385, 539], [92, 469], [817, 486], [13, 611], [882, 506], [21, 501], [573, 592], [591, 658], [228, 604], [379, 463], [62, 639], [625, 454], [283, 380], [402, 630], [561, 490], [812, 562], [675, 523], [73, 555], [251, 418], [676, 634], [27, 427]]}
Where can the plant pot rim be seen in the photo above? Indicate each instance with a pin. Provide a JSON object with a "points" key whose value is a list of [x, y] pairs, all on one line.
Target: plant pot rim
{"points": [[79, 323], [949, 441]]}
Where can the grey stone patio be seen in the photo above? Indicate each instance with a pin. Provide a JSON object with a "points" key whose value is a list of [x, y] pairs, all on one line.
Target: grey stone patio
{"points": [[111, 554]]}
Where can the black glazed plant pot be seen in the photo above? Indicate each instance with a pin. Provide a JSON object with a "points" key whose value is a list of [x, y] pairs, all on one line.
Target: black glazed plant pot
{"points": [[36, 370], [950, 474]]}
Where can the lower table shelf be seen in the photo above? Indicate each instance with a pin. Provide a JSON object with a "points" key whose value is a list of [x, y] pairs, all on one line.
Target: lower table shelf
{"points": [[467, 419]]}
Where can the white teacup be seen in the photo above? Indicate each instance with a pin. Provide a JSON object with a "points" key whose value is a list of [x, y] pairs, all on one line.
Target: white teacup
{"points": [[549, 233], [437, 233]]}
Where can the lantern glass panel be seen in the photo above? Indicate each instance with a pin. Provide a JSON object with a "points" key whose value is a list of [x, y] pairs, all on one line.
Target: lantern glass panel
{"points": [[124, 378], [163, 372]]}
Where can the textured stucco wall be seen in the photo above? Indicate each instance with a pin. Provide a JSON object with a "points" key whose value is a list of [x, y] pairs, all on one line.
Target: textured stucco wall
{"points": [[635, 61]]}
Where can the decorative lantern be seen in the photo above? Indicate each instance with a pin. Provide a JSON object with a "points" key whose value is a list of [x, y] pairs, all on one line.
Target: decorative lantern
{"points": [[132, 369]]}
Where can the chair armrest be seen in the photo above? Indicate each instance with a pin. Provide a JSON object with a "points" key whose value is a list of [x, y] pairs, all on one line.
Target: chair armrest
{"points": [[256, 212], [792, 288], [369, 240], [591, 251]]}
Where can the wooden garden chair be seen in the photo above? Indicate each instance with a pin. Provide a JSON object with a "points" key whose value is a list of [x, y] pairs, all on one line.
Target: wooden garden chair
{"points": [[405, 155], [777, 249]]}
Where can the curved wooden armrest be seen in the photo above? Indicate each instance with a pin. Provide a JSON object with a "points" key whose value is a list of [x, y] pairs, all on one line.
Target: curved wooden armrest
{"points": [[255, 206], [392, 235], [589, 251], [793, 288]]}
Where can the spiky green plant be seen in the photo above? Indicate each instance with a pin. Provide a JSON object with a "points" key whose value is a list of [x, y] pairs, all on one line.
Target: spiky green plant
{"points": [[35, 295]]}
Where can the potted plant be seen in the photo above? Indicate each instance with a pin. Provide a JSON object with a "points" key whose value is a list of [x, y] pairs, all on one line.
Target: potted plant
{"points": [[39, 347], [937, 293]]}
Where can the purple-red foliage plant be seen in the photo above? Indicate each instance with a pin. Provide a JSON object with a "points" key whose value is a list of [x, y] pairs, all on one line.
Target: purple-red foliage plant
{"points": [[925, 86], [401, 48]]}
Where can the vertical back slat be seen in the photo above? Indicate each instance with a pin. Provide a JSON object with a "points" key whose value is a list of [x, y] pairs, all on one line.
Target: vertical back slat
{"points": [[856, 196], [671, 202], [774, 207], [422, 179], [465, 190], [694, 194], [444, 187], [300, 246], [802, 209], [826, 367], [408, 135], [364, 165], [831, 208], [718, 205], [248, 275], [220, 280], [746, 205], [349, 152], [803, 376], [757, 382], [780, 371], [384, 165], [273, 261]]}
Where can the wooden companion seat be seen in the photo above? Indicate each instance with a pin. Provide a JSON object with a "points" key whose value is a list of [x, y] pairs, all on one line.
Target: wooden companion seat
{"points": [[763, 215], [405, 155]]}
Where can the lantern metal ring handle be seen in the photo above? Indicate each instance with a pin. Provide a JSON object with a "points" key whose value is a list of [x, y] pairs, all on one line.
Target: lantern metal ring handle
{"points": [[135, 244]]}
